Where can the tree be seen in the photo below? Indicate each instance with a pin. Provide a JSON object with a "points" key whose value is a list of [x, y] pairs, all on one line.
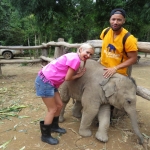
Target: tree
{"points": [[4, 19], [73, 20]]}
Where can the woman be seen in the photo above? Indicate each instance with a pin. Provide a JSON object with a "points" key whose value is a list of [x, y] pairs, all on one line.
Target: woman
{"points": [[49, 79]]}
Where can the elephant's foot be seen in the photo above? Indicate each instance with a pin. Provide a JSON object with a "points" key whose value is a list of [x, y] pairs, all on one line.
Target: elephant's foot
{"points": [[61, 118], [77, 114], [76, 111], [101, 136], [85, 132]]}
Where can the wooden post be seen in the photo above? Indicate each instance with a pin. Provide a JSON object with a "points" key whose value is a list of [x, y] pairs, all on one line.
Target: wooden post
{"points": [[0, 70], [44, 52], [59, 50], [129, 70]]}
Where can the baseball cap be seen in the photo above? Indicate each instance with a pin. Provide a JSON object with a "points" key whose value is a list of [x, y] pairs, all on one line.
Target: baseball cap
{"points": [[118, 11]]}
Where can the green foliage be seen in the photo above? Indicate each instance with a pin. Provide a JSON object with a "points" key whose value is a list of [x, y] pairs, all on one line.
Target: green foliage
{"points": [[32, 22], [11, 32], [4, 19], [24, 64]]}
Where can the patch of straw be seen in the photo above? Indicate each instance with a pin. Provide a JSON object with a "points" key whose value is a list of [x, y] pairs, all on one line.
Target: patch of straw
{"points": [[5, 144], [12, 111]]}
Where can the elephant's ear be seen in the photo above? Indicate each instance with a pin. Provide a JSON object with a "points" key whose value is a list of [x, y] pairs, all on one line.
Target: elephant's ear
{"points": [[104, 81], [109, 88]]}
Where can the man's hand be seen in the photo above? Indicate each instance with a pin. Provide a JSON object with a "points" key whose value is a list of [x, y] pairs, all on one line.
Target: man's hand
{"points": [[109, 72]]}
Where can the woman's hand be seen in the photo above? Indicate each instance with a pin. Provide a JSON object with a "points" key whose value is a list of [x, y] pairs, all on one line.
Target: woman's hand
{"points": [[81, 69], [71, 74], [80, 72]]}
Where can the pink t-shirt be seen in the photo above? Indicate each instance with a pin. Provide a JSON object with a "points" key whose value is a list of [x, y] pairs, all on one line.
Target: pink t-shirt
{"points": [[56, 70]]}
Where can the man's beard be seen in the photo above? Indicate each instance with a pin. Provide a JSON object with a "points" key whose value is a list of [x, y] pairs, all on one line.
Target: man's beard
{"points": [[116, 29]]}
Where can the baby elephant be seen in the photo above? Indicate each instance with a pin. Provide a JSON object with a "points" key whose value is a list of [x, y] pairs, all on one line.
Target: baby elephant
{"points": [[96, 94]]}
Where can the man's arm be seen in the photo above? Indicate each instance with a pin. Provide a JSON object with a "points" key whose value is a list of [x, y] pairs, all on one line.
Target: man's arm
{"points": [[132, 58]]}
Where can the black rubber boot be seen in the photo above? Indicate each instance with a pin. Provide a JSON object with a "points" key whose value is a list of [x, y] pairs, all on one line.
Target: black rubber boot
{"points": [[55, 127], [46, 134]]}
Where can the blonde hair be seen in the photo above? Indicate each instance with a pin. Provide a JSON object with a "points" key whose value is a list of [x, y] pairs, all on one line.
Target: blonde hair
{"points": [[85, 46]]}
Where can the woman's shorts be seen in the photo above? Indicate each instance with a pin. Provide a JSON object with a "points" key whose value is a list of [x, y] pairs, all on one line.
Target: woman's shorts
{"points": [[44, 89]]}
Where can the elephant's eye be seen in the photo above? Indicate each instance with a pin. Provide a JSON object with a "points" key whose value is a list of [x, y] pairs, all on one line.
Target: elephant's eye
{"points": [[129, 101]]}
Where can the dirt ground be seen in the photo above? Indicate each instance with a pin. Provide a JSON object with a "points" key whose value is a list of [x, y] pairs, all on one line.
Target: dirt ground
{"points": [[22, 132]]}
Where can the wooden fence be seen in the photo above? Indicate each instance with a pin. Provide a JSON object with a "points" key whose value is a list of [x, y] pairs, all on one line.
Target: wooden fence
{"points": [[60, 48]]}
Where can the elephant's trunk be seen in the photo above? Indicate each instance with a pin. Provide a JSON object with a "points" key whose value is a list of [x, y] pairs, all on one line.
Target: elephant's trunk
{"points": [[133, 117]]}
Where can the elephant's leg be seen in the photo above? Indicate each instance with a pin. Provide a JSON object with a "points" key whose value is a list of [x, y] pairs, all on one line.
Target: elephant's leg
{"points": [[87, 118], [104, 122], [61, 116], [65, 99], [90, 110], [77, 107]]}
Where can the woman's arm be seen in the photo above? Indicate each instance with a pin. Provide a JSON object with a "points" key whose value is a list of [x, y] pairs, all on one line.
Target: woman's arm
{"points": [[72, 74]]}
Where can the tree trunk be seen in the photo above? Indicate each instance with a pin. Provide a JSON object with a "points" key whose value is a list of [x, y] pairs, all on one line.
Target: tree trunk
{"points": [[36, 51], [29, 49]]}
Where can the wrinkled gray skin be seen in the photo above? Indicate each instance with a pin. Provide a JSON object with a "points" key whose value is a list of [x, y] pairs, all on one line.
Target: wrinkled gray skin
{"points": [[96, 93]]}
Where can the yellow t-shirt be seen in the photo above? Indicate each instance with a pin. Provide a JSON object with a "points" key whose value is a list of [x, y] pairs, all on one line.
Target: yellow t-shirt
{"points": [[112, 52]]}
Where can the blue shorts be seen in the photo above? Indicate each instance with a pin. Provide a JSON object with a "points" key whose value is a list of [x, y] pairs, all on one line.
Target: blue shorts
{"points": [[44, 89]]}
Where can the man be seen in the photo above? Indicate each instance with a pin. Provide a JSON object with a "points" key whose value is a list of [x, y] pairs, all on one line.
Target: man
{"points": [[115, 55]]}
